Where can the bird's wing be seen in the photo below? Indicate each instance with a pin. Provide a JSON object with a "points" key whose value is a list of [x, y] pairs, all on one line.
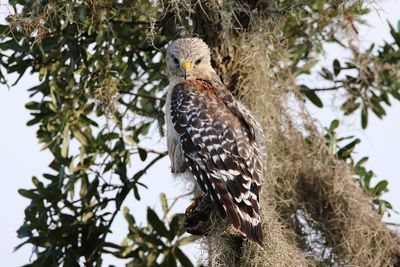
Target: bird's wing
{"points": [[221, 152]]}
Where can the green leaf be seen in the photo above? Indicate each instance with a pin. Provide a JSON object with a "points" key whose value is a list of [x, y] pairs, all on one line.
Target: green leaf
{"points": [[24, 231], [336, 67], [388, 205], [183, 259], [49, 43], [108, 166], [346, 151], [130, 219], [308, 66], [84, 186], [82, 138], [126, 250], [29, 194], [361, 162], [326, 74], [366, 181], [142, 154], [334, 125], [156, 223], [176, 227], [381, 187], [32, 105], [92, 188], [65, 142], [188, 240], [11, 44], [349, 106], [87, 216], [364, 117], [121, 195], [395, 93], [4, 29], [169, 260], [312, 96], [35, 120], [164, 202], [395, 34], [136, 192]]}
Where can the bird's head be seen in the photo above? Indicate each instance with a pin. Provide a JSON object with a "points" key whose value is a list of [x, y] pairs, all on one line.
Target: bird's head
{"points": [[188, 58]]}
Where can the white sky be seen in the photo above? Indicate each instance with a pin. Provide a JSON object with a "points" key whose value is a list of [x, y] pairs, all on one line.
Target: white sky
{"points": [[21, 158]]}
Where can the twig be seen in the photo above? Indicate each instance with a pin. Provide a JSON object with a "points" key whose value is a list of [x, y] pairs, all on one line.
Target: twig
{"points": [[160, 156], [173, 203], [304, 90]]}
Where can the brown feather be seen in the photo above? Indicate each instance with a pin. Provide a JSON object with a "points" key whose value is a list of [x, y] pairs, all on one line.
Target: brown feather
{"points": [[219, 142]]}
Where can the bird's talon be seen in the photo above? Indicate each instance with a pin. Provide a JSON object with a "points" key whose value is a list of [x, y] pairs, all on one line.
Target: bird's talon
{"points": [[194, 204], [184, 168]]}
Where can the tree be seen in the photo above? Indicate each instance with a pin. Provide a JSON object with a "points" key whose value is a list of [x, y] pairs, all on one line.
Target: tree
{"points": [[102, 89]]}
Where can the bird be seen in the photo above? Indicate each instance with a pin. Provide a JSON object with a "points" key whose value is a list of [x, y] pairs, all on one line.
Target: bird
{"points": [[214, 137]]}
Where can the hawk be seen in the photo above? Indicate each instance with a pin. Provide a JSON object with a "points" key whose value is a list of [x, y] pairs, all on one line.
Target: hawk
{"points": [[214, 136]]}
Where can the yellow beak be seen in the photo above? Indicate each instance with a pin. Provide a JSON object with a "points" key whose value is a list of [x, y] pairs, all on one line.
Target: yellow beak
{"points": [[187, 68]]}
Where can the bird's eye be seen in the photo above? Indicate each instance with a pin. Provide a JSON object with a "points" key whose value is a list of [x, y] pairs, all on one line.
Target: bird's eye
{"points": [[176, 61], [198, 61]]}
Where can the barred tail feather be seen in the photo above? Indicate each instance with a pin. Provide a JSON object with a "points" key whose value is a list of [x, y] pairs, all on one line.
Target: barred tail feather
{"points": [[253, 230]]}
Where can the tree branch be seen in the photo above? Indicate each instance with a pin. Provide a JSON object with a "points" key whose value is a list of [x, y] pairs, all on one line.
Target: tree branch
{"points": [[306, 89], [160, 156]]}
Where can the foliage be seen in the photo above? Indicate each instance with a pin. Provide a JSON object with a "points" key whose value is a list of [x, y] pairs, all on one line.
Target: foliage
{"points": [[361, 174], [371, 81], [102, 89], [90, 69], [159, 240]]}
